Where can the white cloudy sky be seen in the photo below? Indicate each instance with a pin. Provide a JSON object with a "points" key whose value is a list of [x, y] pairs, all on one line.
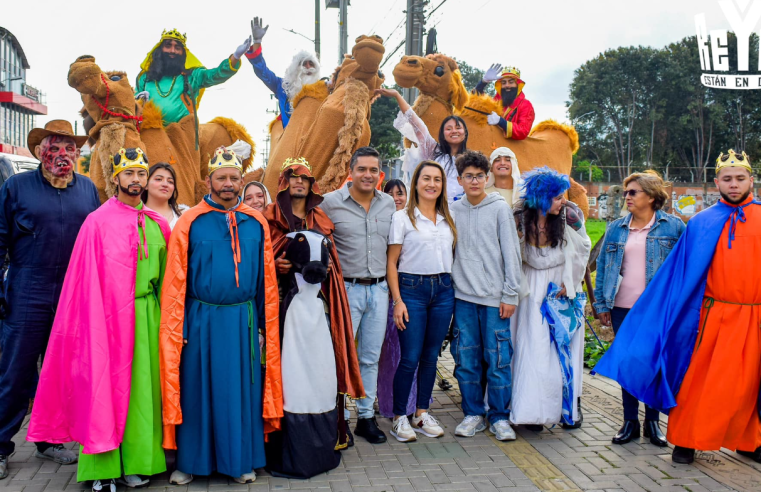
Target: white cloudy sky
{"points": [[546, 39]]}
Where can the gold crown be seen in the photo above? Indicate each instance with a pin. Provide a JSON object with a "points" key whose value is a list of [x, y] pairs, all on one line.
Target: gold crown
{"points": [[174, 34], [128, 159], [224, 158], [297, 161], [733, 159], [507, 71]]}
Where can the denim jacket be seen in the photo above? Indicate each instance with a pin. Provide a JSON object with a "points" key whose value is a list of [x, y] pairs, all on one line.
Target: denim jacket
{"points": [[660, 241]]}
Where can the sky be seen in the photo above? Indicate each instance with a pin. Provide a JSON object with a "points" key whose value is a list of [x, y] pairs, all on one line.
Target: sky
{"points": [[546, 39]]}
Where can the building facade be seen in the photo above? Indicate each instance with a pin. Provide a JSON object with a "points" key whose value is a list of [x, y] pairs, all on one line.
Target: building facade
{"points": [[19, 102]]}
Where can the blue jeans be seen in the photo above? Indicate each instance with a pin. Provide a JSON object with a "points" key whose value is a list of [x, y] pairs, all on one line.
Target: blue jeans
{"points": [[631, 404], [430, 302], [369, 314], [481, 335]]}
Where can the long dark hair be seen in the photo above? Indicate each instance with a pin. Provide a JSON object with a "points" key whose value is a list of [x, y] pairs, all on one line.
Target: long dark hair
{"points": [[442, 206], [529, 224], [173, 198], [443, 148], [158, 68]]}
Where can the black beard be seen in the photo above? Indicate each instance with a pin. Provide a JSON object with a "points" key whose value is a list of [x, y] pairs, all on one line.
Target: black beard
{"points": [[508, 96], [299, 194], [218, 193], [126, 190], [727, 199], [165, 66]]}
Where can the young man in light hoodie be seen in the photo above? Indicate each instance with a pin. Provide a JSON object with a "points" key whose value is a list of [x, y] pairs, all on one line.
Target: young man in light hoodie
{"points": [[486, 275]]}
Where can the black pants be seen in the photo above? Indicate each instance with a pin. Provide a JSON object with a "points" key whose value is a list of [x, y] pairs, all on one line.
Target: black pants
{"points": [[631, 404]]}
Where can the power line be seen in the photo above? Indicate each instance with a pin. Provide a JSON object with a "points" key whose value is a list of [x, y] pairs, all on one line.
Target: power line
{"points": [[372, 29], [395, 29], [437, 8], [393, 52]]}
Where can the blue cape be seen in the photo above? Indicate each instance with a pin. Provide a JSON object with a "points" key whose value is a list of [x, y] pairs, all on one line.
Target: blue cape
{"points": [[654, 345]]}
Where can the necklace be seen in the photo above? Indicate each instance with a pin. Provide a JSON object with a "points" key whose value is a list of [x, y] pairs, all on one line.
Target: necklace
{"points": [[156, 82]]}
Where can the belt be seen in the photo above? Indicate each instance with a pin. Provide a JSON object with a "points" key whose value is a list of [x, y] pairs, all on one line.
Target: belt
{"points": [[708, 303], [365, 281]]}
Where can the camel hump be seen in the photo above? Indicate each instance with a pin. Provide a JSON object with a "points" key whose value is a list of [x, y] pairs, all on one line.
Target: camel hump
{"points": [[318, 90], [569, 130], [483, 103], [236, 131]]}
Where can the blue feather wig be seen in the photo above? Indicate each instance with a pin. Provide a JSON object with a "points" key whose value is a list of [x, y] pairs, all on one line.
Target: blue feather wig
{"points": [[541, 185]]}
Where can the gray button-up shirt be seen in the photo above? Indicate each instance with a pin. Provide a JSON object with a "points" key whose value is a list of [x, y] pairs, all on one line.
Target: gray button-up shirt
{"points": [[361, 237]]}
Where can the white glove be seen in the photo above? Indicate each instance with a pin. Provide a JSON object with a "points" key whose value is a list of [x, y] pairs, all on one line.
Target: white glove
{"points": [[257, 30], [493, 118], [241, 50], [493, 73], [143, 96]]}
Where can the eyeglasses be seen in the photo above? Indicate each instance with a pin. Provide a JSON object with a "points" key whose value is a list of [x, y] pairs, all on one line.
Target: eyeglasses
{"points": [[469, 178], [632, 193]]}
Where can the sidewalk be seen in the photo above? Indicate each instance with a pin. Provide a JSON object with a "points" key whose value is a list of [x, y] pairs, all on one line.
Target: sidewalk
{"points": [[556, 459]]}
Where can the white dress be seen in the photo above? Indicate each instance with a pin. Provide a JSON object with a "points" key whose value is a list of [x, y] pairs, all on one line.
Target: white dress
{"points": [[537, 379]]}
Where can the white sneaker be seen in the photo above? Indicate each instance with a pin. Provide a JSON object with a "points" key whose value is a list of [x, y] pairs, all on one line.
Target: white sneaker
{"points": [[502, 430], [180, 478], [470, 425], [133, 481], [402, 431], [104, 486], [427, 425], [246, 477]]}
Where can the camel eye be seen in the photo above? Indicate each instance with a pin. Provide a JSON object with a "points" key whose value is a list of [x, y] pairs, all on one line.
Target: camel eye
{"points": [[439, 71], [115, 78]]}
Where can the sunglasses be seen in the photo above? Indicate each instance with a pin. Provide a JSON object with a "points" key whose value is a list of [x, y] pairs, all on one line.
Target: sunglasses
{"points": [[632, 193]]}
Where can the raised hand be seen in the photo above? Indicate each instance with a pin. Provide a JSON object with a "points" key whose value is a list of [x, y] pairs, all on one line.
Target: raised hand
{"points": [[257, 30], [493, 73], [241, 50]]}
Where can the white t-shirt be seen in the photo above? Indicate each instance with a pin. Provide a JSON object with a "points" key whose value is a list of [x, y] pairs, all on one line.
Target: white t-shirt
{"points": [[426, 250]]}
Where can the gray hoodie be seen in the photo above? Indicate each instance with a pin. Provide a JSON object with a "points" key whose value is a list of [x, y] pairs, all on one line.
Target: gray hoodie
{"points": [[487, 263]]}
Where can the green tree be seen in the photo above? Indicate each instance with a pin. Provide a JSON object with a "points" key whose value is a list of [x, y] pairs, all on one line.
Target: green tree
{"points": [[86, 164], [582, 169], [385, 138]]}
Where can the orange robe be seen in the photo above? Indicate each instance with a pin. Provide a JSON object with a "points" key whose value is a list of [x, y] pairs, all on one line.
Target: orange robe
{"points": [[717, 402]]}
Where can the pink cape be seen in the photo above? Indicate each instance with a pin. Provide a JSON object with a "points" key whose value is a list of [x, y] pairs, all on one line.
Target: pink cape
{"points": [[83, 393]]}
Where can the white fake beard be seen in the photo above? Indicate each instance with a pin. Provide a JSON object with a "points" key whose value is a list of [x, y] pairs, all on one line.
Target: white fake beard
{"points": [[306, 76]]}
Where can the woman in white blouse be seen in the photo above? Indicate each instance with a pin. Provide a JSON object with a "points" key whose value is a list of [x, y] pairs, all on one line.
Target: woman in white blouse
{"points": [[453, 140], [160, 194], [420, 250]]}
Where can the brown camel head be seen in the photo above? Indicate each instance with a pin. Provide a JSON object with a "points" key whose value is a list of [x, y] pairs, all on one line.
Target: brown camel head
{"points": [[96, 85], [363, 63], [434, 75]]}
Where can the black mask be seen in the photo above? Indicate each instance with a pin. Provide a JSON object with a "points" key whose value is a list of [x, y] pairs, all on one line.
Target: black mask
{"points": [[508, 96]]}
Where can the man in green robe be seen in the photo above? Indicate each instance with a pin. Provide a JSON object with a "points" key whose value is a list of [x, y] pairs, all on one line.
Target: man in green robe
{"points": [[174, 79]]}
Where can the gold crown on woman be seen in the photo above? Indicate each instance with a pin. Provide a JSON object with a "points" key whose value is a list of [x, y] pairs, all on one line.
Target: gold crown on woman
{"points": [[733, 159], [129, 159], [295, 161]]}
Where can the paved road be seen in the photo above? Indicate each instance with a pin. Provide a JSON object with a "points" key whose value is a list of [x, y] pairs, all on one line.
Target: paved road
{"points": [[554, 459]]}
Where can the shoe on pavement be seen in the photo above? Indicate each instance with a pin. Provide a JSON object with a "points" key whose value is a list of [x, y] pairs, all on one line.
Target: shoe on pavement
{"points": [[427, 425], [502, 430], [349, 435], [3, 466], [180, 478], [368, 428], [246, 477], [133, 481], [402, 431], [681, 455], [104, 485], [470, 425], [754, 455], [59, 454]]}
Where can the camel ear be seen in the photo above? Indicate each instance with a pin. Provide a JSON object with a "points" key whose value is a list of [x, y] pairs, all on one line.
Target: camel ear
{"points": [[452, 64], [458, 91]]}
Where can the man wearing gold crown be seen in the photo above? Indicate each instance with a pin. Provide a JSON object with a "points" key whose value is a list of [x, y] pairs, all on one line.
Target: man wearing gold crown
{"points": [[692, 345], [220, 339], [297, 208], [174, 79], [100, 381], [518, 114]]}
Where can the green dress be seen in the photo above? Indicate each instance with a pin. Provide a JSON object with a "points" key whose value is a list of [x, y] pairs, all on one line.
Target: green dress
{"points": [[167, 92], [140, 452]]}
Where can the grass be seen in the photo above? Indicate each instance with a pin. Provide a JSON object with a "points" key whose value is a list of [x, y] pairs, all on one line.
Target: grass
{"points": [[595, 229]]}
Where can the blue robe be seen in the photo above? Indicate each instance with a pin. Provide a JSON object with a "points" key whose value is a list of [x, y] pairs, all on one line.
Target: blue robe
{"points": [[38, 227], [273, 83], [222, 428], [654, 345]]}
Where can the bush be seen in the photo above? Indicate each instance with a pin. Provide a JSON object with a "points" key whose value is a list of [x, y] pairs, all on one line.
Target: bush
{"points": [[593, 351]]}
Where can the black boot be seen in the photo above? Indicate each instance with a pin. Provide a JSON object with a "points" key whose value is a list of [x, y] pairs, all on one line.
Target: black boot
{"points": [[653, 431], [754, 455], [629, 431], [577, 424], [368, 428], [684, 456], [349, 435], [534, 427]]}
